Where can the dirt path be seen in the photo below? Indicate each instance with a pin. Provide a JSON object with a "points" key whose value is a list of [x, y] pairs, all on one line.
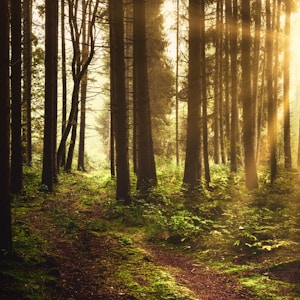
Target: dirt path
{"points": [[85, 264], [206, 284]]}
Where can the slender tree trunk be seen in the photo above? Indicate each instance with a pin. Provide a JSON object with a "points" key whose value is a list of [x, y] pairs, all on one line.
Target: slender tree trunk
{"points": [[63, 76], [248, 109], [286, 88], [5, 192], [83, 89], [16, 93], [70, 155], [27, 82], [204, 95], [51, 40], [256, 62], [192, 170], [146, 163], [112, 141], [234, 90], [119, 103], [270, 75], [227, 79], [217, 89], [222, 129], [177, 84]]}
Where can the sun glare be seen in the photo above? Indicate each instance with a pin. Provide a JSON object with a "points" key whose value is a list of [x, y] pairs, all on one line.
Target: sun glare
{"points": [[295, 44]]}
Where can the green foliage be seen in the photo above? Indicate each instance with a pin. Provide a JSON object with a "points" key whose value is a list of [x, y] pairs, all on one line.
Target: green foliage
{"points": [[226, 227]]}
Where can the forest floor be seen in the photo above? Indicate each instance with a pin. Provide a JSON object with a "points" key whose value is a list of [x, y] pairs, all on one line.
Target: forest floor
{"points": [[77, 243]]}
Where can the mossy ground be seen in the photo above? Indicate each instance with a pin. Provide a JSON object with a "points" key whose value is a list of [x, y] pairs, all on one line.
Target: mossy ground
{"points": [[79, 243]]}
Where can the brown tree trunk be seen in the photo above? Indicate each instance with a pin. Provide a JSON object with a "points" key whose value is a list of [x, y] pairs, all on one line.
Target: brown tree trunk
{"points": [[119, 103], [83, 88], [51, 42], [286, 88], [234, 89], [256, 63], [5, 192], [63, 76], [192, 170], [204, 95], [146, 164], [27, 82], [16, 103], [248, 109]]}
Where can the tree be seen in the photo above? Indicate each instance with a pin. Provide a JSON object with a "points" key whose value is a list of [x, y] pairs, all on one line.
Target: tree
{"points": [[51, 47], [217, 83], [83, 87], [16, 93], [119, 102], [146, 164], [27, 80], [286, 88], [5, 198], [272, 111], [234, 90], [63, 75], [78, 70], [246, 95], [255, 70], [204, 95], [192, 169]]}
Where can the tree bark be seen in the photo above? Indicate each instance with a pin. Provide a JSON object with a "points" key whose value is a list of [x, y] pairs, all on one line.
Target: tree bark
{"points": [[192, 170], [248, 109], [146, 164], [27, 82], [286, 88], [234, 90], [204, 95], [5, 198], [119, 101], [63, 77], [16, 94], [51, 43]]}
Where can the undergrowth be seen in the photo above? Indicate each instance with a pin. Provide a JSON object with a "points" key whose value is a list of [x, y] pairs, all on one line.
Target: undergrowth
{"points": [[225, 226]]}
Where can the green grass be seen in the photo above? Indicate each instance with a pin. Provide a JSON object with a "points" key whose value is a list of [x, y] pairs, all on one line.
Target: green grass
{"points": [[227, 228]]}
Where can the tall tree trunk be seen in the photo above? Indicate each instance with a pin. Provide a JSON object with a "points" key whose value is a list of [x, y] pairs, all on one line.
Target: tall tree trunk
{"points": [[119, 103], [221, 82], [5, 198], [270, 75], [255, 69], [146, 164], [234, 89], [286, 88], [192, 170], [83, 88], [217, 88], [204, 95], [51, 43], [248, 109], [63, 76], [227, 79], [16, 103], [177, 84], [27, 82]]}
